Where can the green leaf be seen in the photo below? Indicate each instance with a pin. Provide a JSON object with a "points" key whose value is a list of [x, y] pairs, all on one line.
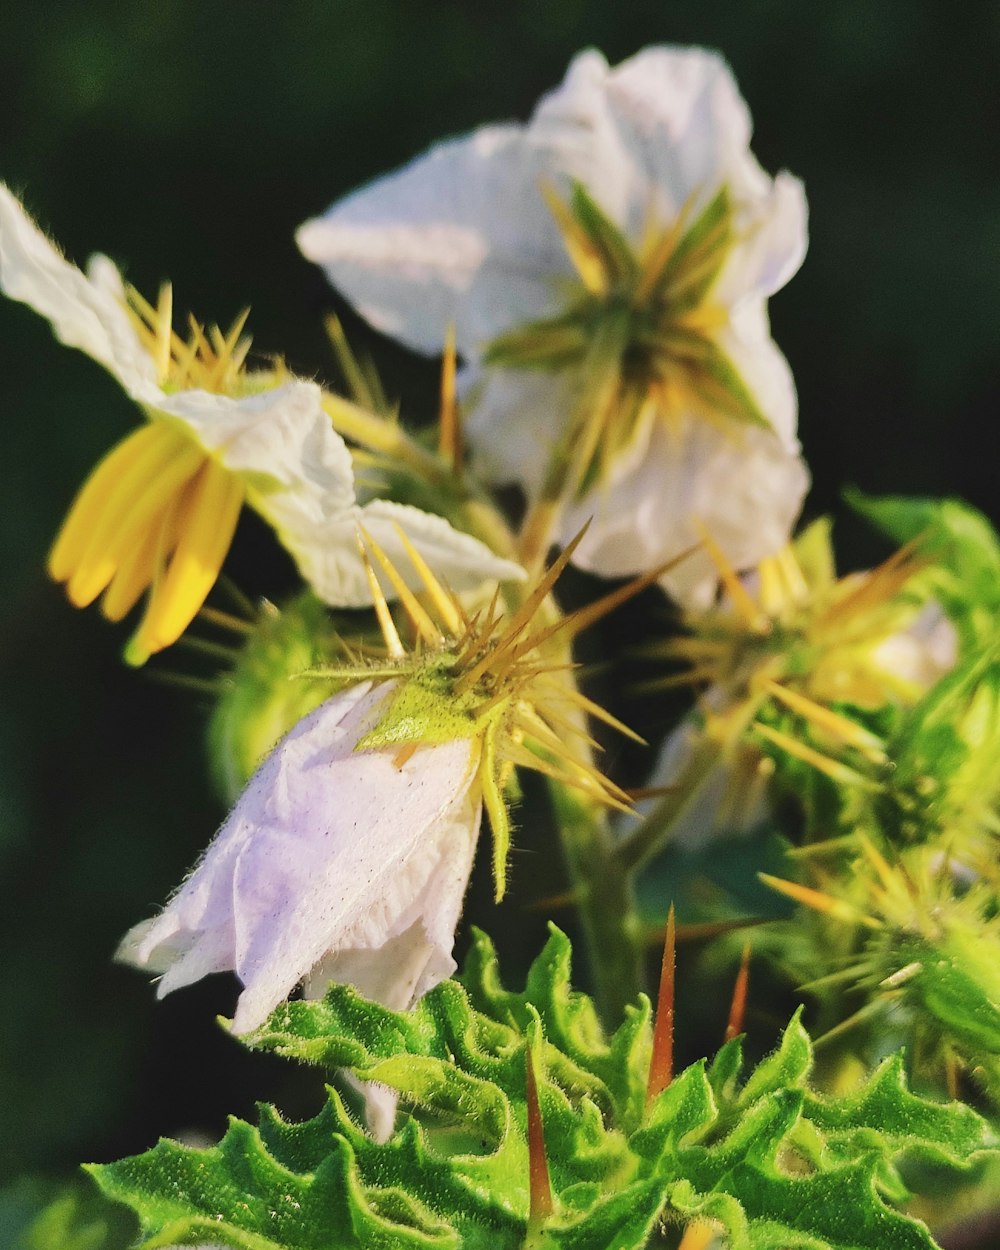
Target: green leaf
{"points": [[570, 1023], [237, 1194], [963, 549], [883, 1115], [762, 1157]]}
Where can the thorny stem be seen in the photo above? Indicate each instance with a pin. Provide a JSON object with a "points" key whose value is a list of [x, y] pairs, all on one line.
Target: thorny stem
{"points": [[601, 884], [602, 891]]}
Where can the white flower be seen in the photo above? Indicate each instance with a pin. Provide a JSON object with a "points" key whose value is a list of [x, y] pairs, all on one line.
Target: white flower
{"points": [[660, 145], [160, 510], [336, 864]]}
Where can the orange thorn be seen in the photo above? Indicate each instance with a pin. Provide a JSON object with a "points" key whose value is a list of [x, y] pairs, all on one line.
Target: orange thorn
{"points": [[449, 420], [738, 1007], [540, 1206], [697, 1236], [554, 902], [661, 1063], [405, 754]]}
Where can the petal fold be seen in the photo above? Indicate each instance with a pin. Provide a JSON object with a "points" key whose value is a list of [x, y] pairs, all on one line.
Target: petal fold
{"points": [[328, 859]]}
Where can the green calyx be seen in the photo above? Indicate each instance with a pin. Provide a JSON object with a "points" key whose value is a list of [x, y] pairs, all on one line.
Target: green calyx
{"points": [[427, 709], [760, 1157], [639, 323]]}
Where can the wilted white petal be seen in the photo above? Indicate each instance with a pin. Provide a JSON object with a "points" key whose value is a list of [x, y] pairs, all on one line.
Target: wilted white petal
{"points": [[418, 957], [83, 314], [329, 850]]}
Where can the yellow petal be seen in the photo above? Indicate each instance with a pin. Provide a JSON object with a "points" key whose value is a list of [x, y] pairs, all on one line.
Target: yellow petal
{"points": [[216, 498], [76, 530], [139, 494], [140, 567]]}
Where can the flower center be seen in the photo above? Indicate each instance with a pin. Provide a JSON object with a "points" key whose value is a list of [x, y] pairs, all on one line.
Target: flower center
{"points": [[207, 360], [487, 678], [640, 325]]}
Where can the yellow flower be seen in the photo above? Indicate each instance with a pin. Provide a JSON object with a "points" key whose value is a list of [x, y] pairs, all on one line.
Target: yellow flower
{"points": [[159, 512]]}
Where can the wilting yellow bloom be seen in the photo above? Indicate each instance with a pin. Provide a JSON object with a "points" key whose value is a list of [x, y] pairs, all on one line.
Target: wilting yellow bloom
{"points": [[159, 512]]}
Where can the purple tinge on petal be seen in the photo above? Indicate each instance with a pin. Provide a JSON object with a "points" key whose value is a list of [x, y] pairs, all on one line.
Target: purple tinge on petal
{"points": [[328, 849]]}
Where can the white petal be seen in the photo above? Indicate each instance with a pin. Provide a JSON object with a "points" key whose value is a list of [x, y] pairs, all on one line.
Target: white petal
{"points": [[324, 850], [729, 799], [922, 653], [747, 341], [299, 477], [774, 237], [411, 962], [82, 313], [515, 416], [418, 953], [337, 572], [459, 235], [297, 469], [744, 487]]}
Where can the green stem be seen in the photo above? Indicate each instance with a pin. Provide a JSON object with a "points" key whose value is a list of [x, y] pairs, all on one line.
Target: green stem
{"points": [[602, 892]]}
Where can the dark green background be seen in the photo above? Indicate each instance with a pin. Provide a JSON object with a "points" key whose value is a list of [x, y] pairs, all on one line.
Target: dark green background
{"points": [[188, 140]]}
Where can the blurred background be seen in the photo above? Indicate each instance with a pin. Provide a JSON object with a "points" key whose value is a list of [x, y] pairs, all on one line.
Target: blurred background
{"points": [[188, 141]]}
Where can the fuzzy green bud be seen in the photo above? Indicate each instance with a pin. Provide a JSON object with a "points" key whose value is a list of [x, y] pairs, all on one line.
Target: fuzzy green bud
{"points": [[265, 693]]}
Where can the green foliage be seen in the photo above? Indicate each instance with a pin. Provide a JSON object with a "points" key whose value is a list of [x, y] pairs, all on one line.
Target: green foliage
{"points": [[944, 781], [963, 551], [37, 1214], [761, 1156], [265, 694]]}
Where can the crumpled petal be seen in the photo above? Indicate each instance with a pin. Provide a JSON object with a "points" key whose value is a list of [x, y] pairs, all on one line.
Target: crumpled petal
{"points": [[462, 233], [328, 851], [417, 958]]}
